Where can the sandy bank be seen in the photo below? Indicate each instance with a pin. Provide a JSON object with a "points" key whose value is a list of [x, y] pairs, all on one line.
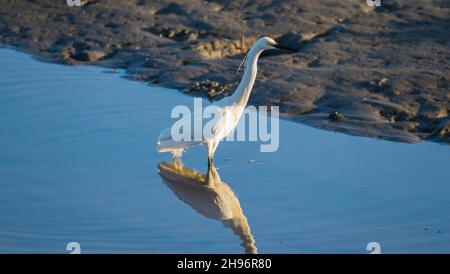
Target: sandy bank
{"points": [[386, 70]]}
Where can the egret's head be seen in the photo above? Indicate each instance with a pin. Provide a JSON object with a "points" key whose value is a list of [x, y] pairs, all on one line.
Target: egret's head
{"points": [[266, 43]]}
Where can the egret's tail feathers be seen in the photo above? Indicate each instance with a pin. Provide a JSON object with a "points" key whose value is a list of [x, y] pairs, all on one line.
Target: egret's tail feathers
{"points": [[167, 144]]}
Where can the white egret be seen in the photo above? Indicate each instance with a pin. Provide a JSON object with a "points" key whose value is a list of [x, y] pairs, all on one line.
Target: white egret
{"points": [[231, 108]]}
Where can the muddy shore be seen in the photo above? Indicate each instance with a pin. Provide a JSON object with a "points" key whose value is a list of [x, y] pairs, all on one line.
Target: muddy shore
{"points": [[381, 72]]}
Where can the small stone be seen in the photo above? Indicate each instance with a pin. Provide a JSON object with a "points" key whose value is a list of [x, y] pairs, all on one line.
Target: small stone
{"points": [[217, 44], [192, 36], [211, 92], [383, 82], [171, 33], [15, 29], [66, 53], [445, 131], [89, 55], [335, 116]]}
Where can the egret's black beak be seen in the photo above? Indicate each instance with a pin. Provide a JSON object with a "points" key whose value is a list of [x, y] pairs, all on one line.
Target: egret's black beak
{"points": [[279, 46]]}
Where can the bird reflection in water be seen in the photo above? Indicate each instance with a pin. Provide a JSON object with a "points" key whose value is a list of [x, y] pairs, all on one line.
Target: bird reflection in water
{"points": [[208, 195]]}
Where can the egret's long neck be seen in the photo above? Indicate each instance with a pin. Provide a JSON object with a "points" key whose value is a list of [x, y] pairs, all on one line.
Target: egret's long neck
{"points": [[244, 89]]}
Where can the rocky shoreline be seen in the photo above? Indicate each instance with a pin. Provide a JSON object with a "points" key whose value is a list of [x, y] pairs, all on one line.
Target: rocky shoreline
{"points": [[381, 72]]}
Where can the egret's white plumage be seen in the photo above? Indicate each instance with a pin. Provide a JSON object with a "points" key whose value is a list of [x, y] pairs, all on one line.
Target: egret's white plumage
{"points": [[231, 108]]}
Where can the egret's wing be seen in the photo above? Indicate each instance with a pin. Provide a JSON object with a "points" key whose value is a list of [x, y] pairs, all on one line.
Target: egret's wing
{"points": [[197, 128], [226, 123]]}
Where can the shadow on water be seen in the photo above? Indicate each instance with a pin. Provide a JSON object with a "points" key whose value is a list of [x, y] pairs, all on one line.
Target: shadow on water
{"points": [[208, 195]]}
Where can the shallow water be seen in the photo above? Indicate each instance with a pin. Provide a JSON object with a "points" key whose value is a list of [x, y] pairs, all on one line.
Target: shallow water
{"points": [[78, 163]]}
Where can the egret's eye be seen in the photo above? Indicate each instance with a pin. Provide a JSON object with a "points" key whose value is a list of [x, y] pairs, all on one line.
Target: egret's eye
{"points": [[267, 43]]}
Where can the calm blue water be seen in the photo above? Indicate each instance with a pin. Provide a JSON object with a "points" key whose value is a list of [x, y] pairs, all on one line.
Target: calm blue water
{"points": [[78, 163]]}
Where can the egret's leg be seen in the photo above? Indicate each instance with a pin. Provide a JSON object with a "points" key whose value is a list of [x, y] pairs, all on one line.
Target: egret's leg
{"points": [[209, 148], [212, 150], [214, 147]]}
